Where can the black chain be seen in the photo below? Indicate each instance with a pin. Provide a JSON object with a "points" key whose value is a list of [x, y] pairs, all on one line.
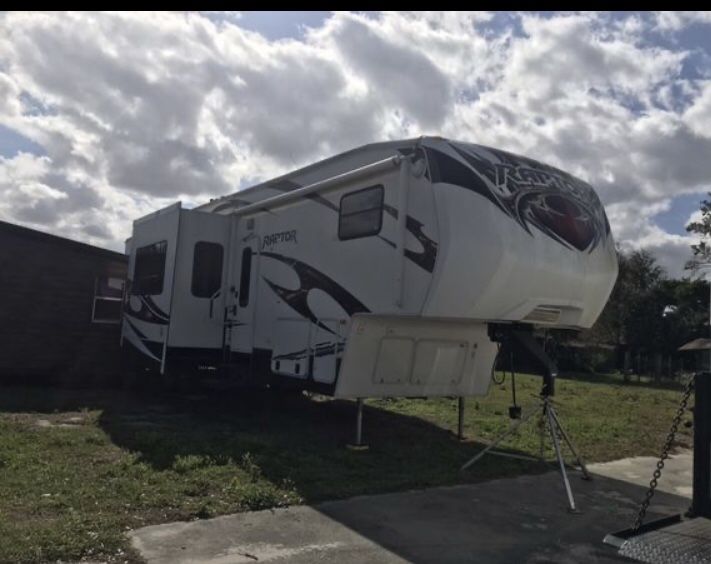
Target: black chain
{"points": [[665, 454]]}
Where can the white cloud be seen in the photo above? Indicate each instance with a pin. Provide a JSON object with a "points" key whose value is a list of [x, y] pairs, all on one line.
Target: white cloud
{"points": [[635, 229], [698, 115], [674, 21], [136, 110]]}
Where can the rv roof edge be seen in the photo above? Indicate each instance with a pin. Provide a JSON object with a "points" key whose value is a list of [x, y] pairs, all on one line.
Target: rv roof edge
{"points": [[393, 144], [172, 207], [321, 185]]}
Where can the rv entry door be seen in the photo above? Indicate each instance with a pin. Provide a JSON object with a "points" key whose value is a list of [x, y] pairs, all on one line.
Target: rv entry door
{"points": [[198, 301]]}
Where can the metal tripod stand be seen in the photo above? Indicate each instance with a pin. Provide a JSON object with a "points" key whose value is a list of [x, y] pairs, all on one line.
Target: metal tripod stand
{"points": [[544, 407]]}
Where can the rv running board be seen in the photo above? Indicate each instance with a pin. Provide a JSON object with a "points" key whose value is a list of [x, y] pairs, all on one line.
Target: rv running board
{"points": [[672, 540]]}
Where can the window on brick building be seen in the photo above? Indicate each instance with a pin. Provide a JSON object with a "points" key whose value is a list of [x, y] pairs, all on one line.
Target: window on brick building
{"points": [[108, 297]]}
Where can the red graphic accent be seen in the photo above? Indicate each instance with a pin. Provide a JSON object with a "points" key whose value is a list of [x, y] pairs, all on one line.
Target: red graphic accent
{"points": [[565, 219]]}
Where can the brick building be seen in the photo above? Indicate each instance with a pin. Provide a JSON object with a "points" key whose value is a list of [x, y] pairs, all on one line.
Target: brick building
{"points": [[60, 307]]}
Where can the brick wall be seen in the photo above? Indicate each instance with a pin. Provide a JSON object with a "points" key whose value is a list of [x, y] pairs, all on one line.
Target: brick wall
{"points": [[46, 299]]}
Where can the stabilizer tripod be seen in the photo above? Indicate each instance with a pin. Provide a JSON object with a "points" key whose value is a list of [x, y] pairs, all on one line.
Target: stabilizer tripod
{"points": [[551, 423], [543, 407]]}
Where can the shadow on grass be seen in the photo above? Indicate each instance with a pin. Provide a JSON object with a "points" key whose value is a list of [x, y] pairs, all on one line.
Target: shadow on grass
{"points": [[295, 442]]}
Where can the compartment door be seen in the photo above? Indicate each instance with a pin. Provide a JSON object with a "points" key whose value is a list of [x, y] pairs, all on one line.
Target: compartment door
{"points": [[291, 355]]}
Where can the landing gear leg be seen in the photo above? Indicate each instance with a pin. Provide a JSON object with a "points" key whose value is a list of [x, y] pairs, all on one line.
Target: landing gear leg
{"points": [[358, 445], [460, 419]]}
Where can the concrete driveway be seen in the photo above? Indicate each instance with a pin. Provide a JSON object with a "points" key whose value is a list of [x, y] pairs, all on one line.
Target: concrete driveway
{"points": [[676, 475], [521, 519]]}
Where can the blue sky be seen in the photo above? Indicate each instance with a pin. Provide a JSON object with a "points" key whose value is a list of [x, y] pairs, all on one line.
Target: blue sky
{"points": [[680, 209], [106, 117], [12, 143], [281, 25]]}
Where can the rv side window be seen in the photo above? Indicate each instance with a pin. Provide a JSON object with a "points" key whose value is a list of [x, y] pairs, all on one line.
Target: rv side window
{"points": [[149, 269], [361, 213], [207, 269], [244, 277]]}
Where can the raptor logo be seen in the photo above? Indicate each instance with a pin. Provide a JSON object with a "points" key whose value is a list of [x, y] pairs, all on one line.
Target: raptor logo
{"points": [[268, 241], [312, 279], [531, 193]]}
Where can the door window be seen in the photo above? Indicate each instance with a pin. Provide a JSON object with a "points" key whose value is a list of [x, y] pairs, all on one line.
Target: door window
{"points": [[207, 269], [245, 276]]}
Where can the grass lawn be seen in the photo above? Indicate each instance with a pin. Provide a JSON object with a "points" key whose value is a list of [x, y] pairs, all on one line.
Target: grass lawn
{"points": [[79, 468]]}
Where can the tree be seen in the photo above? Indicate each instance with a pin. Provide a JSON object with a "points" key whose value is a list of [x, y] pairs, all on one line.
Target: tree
{"points": [[632, 312], [649, 313], [702, 250], [688, 319]]}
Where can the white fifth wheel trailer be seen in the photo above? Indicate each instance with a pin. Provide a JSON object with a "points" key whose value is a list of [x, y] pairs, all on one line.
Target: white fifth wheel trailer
{"points": [[377, 272]]}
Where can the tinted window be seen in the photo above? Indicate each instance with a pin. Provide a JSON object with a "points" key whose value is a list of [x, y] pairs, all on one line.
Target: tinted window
{"points": [[244, 277], [150, 269], [361, 213], [207, 269]]}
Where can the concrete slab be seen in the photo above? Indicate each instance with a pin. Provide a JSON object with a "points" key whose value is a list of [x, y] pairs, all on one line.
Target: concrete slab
{"points": [[46, 423], [676, 475], [521, 519]]}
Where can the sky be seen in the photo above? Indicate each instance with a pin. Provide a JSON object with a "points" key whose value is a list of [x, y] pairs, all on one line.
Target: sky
{"points": [[105, 117]]}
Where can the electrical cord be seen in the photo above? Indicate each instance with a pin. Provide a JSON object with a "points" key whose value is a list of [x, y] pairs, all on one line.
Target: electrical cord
{"points": [[513, 382], [514, 409], [493, 367]]}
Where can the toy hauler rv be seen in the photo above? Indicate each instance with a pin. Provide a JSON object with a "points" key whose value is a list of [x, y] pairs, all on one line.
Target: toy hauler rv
{"points": [[377, 272]]}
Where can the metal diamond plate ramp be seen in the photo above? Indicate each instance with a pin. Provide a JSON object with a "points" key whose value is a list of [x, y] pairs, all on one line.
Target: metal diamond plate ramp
{"points": [[685, 542]]}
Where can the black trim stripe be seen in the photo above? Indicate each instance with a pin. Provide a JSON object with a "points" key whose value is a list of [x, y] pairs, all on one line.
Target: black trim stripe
{"points": [[312, 279]]}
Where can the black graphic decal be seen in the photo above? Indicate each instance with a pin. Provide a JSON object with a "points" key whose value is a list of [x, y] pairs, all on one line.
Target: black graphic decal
{"points": [[154, 347], [425, 259], [147, 311], [444, 168], [312, 279], [319, 350], [141, 334], [155, 310], [296, 355], [532, 193]]}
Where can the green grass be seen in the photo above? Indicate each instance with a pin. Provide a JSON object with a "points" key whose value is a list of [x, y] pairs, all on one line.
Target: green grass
{"points": [[72, 492]]}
